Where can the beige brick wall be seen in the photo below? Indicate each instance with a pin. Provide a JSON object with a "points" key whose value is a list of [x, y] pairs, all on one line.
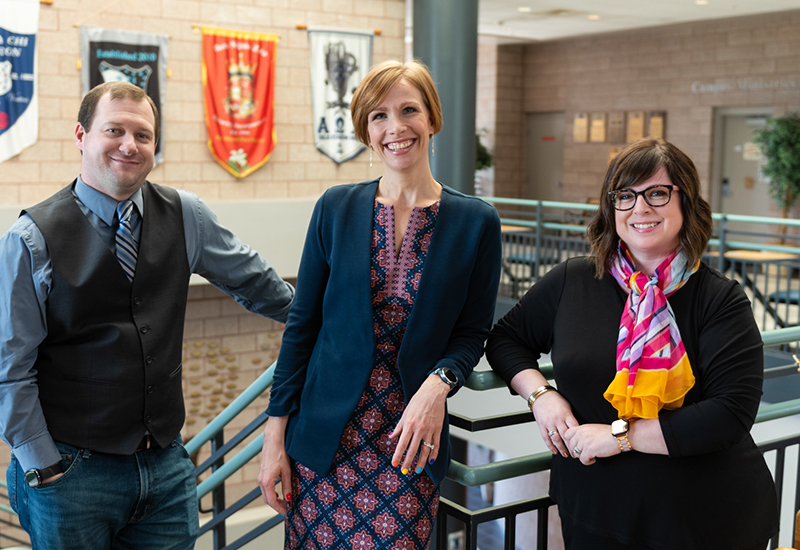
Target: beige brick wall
{"points": [[646, 69], [226, 347], [510, 131], [295, 168]]}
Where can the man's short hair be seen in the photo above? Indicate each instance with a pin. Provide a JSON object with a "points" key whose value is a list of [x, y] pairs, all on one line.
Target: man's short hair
{"points": [[116, 90]]}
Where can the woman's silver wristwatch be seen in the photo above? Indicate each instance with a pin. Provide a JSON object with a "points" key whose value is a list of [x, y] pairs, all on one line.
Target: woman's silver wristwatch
{"points": [[447, 376]]}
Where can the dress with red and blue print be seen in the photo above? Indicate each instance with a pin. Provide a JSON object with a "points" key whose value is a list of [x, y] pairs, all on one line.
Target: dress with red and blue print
{"points": [[364, 502]]}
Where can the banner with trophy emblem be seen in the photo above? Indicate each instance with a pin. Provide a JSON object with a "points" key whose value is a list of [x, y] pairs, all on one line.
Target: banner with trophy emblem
{"points": [[339, 62], [239, 93], [19, 103], [127, 56]]}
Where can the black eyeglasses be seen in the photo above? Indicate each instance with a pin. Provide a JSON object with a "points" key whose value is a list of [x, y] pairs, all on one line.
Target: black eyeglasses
{"points": [[655, 196]]}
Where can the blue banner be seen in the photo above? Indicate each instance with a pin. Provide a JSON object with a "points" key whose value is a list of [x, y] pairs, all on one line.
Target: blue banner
{"points": [[19, 117], [16, 76]]}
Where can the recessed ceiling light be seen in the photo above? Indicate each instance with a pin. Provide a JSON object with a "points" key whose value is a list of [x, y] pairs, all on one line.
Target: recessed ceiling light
{"points": [[701, 2], [593, 17], [524, 9]]}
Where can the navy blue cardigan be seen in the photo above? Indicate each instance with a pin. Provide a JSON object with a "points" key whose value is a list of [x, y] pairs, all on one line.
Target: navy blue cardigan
{"points": [[328, 345]]}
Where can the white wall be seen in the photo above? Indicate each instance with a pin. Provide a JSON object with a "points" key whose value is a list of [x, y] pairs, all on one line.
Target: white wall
{"points": [[275, 228]]}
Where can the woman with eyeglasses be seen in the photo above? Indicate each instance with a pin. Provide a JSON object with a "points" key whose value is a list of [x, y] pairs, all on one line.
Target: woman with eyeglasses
{"points": [[659, 367]]}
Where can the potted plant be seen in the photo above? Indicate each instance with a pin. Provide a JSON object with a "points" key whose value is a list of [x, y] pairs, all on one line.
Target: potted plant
{"points": [[483, 161], [779, 141]]}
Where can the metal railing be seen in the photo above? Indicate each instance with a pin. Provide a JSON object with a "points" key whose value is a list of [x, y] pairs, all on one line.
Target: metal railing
{"points": [[537, 235], [460, 473], [222, 468]]}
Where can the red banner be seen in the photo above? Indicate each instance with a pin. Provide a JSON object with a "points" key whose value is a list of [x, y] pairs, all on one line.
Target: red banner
{"points": [[239, 90]]}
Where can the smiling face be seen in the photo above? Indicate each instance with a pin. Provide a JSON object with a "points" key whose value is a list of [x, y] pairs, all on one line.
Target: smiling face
{"points": [[119, 148], [400, 128], [651, 233]]}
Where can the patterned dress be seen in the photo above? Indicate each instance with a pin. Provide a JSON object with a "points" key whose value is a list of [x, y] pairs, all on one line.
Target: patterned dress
{"points": [[364, 502]]}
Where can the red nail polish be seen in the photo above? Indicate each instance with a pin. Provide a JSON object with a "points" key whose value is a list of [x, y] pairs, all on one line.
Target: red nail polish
{"points": [[289, 497], [395, 464]]}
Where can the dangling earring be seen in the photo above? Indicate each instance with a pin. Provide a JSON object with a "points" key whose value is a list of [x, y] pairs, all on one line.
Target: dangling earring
{"points": [[370, 156], [431, 144]]}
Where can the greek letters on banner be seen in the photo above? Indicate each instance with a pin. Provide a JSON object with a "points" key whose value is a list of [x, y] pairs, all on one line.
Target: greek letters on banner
{"points": [[339, 62], [239, 89], [127, 56], [19, 103]]}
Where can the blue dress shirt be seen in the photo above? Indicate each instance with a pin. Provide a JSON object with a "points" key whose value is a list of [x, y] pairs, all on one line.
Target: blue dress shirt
{"points": [[25, 278]]}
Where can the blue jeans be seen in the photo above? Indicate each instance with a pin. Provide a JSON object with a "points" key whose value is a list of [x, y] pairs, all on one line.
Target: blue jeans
{"points": [[143, 501]]}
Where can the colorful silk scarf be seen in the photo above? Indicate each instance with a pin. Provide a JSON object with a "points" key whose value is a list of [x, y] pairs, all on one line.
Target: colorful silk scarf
{"points": [[653, 370]]}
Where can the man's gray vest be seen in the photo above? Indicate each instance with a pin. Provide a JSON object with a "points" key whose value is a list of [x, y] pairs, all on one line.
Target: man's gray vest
{"points": [[110, 366]]}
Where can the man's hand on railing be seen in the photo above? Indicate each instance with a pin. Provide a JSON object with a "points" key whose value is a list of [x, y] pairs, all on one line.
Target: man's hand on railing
{"points": [[275, 465]]}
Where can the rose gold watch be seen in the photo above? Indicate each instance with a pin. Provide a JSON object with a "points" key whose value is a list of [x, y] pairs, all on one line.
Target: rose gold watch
{"points": [[619, 429]]}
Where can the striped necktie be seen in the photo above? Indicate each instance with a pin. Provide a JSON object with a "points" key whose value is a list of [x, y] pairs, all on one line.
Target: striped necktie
{"points": [[127, 247]]}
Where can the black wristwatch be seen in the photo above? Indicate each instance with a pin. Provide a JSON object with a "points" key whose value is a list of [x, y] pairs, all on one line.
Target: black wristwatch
{"points": [[447, 376], [34, 477]]}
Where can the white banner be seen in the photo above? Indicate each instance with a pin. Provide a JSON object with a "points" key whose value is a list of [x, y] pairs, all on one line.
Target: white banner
{"points": [[339, 62], [19, 100], [127, 56]]}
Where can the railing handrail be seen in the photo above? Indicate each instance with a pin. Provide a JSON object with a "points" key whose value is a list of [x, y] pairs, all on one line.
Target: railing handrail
{"points": [[250, 394], [765, 220], [471, 475]]}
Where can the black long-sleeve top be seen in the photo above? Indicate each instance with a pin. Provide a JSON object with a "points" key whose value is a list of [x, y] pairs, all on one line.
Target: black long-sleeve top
{"points": [[714, 489]]}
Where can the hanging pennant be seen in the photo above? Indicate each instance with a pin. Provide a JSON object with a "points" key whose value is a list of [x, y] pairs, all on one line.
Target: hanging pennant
{"points": [[19, 103], [239, 93], [112, 55], [339, 62]]}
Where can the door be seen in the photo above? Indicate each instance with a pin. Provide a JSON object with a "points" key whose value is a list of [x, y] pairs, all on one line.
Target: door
{"points": [[545, 157], [742, 189]]}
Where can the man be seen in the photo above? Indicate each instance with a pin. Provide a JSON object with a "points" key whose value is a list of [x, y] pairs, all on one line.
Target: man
{"points": [[93, 287]]}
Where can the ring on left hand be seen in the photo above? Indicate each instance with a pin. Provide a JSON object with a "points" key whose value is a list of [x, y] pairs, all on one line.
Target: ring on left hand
{"points": [[428, 445], [577, 451], [551, 433]]}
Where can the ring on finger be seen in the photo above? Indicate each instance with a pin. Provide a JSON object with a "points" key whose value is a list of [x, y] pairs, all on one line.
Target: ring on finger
{"points": [[551, 433], [577, 451], [428, 445]]}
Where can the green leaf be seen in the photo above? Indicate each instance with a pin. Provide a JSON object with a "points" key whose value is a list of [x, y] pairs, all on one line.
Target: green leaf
{"points": [[780, 144]]}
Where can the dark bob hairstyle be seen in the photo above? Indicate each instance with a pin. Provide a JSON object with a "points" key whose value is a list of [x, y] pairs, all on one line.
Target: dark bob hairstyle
{"points": [[636, 164]]}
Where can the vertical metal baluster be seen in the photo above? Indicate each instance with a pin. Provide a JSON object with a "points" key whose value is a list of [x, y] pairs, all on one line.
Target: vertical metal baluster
{"points": [[722, 247], [780, 457], [441, 531], [510, 532], [541, 528], [218, 494], [539, 231], [472, 534], [796, 493]]}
